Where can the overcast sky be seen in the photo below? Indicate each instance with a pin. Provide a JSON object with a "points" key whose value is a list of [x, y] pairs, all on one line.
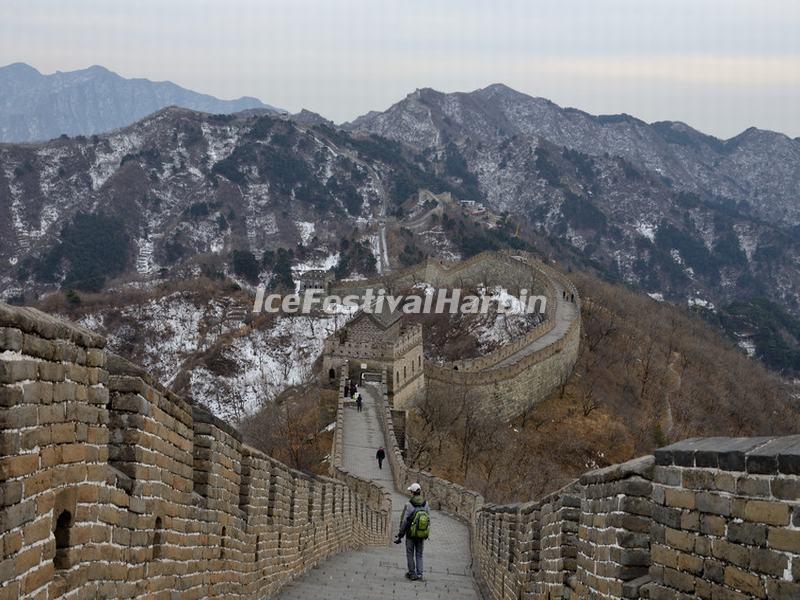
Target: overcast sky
{"points": [[719, 65]]}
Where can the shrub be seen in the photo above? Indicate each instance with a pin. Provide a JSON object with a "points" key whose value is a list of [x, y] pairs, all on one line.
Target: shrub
{"points": [[245, 265], [94, 248]]}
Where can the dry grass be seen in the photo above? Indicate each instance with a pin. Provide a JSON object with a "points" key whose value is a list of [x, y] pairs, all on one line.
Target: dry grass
{"points": [[648, 374]]}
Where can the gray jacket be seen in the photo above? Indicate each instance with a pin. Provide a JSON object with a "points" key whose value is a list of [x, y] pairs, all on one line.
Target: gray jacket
{"points": [[413, 505]]}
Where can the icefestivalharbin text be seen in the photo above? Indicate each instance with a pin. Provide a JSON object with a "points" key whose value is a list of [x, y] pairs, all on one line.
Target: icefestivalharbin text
{"points": [[432, 301]]}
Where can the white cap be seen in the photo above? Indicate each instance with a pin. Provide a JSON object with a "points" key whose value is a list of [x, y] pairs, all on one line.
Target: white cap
{"points": [[414, 487]]}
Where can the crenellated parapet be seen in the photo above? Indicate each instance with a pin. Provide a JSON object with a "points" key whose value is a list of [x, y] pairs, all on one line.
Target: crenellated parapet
{"points": [[112, 486], [706, 518], [703, 518]]}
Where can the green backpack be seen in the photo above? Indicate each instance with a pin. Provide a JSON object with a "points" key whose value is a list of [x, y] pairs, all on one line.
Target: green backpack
{"points": [[420, 525]]}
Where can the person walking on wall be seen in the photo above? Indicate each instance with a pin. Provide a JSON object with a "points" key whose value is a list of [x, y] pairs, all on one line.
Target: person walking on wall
{"points": [[415, 524], [359, 402], [380, 455]]}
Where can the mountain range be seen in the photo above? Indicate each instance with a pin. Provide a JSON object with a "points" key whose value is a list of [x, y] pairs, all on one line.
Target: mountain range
{"points": [[35, 107], [757, 170], [662, 208]]}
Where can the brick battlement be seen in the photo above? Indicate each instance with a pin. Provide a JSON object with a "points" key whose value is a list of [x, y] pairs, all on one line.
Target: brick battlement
{"points": [[714, 518], [507, 380], [112, 486], [704, 518]]}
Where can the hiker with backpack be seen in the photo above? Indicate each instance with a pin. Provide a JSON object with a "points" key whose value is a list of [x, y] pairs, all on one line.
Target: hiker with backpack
{"points": [[380, 455], [415, 524]]}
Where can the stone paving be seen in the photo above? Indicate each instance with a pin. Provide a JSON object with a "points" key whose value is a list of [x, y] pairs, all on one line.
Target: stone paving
{"points": [[379, 572], [566, 313]]}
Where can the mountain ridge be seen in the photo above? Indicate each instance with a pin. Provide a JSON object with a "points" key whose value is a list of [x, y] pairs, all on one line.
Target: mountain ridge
{"points": [[38, 107], [193, 190], [500, 87]]}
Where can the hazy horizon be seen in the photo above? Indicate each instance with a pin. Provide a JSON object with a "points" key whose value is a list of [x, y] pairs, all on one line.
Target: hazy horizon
{"points": [[720, 66]]}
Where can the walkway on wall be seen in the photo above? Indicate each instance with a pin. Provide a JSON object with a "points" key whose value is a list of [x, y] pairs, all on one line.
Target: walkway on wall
{"points": [[566, 313], [379, 572]]}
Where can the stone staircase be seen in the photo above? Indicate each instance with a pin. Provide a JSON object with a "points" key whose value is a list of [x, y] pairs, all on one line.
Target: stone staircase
{"points": [[379, 572]]}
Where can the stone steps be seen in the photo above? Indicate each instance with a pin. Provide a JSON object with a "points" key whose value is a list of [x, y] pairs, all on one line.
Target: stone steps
{"points": [[379, 572]]}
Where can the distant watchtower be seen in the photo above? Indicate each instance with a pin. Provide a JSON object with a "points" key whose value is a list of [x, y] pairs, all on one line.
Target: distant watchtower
{"points": [[385, 343]]}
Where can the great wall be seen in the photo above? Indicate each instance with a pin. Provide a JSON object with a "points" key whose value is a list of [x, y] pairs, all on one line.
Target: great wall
{"points": [[111, 486], [507, 380]]}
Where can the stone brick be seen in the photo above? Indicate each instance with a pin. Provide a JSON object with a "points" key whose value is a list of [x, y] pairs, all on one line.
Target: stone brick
{"points": [[667, 475], [64, 391], [732, 553], [671, 517], [698, 479], [768, 562], [9, 442], [37, 392], [690, 520], [9, 396], [773, 513], [95, 357], [725, 482], [783, 590], [18, 466], [49, 371], [713, 571], [702, 546], [680, 540], [753, 486], [679, 498], [10, 339], [754, 534], [13, 371], [784, 539], [690, 563], [678, 580], [17, 515], [713, 503], [10, 493], [664, 556], [745, 582]]}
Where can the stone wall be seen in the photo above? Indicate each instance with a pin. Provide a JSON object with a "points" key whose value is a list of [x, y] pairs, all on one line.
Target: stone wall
{"points": [[726, 519], [112, 487], [503, 390], [715, 518], [491, 268], [509, 391]]}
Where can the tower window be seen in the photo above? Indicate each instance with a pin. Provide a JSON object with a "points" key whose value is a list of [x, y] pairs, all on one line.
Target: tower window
{"points": [[62, 535], [158, 538]]}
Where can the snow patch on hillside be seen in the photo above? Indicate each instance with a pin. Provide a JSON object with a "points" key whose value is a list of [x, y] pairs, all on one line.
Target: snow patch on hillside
{"points": [[321, 262], [306, 230], [646, 230], [108, 158], [267, 361], [748, 346]]}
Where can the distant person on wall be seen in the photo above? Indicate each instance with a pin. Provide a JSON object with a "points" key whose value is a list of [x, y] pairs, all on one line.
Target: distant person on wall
{"points": [[415, 524], [359, 402], [380, 455]]}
